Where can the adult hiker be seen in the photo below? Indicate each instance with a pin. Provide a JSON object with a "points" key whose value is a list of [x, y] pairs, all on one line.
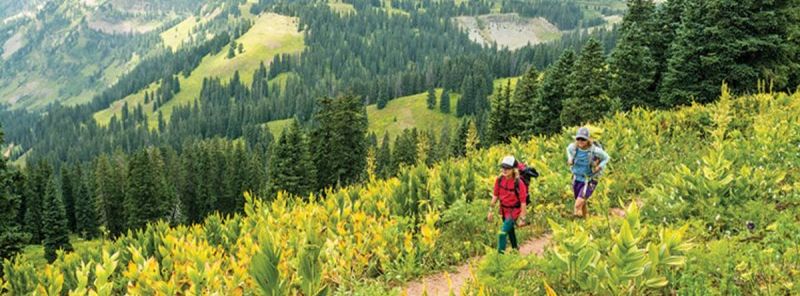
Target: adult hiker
{"points": [[511, 193], [587, 160]]}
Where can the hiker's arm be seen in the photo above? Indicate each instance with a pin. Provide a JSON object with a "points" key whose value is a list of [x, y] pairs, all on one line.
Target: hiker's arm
{"points": [[523, 191], [604, 158], [570, 152]]}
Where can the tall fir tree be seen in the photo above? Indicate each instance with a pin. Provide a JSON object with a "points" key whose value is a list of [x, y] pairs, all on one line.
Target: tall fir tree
{"points": [[109, 188], [38, 179], [431, 101], [459, 143], [148, 197], [751, 42], [523, 103], [633, 70], [588, 100], [291, 168], [554, 90], [445, 139], [68, 193], [383, 158], [12, 239], [500, 118], [85, 206], [342, 123], [405, 148], [55, 232], [444, 102]]}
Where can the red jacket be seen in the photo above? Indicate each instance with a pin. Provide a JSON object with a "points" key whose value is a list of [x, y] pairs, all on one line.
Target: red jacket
{"points": [[504, 190]]}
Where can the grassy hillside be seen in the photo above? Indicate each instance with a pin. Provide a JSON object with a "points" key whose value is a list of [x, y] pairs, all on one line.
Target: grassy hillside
{"points": [[399, 114], [410, 112], [270, 35], [406, 112], [717, 185]]}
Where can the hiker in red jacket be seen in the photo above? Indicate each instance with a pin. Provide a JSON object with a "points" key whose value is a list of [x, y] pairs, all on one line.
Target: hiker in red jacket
{"points": [[512, 194]]}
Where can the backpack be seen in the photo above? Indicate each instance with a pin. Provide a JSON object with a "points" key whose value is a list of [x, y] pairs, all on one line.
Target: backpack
{"points": [[525, 175], [596, 144]]}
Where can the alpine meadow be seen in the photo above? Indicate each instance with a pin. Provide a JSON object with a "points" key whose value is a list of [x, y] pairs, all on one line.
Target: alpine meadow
{"points": [[400, 147]]}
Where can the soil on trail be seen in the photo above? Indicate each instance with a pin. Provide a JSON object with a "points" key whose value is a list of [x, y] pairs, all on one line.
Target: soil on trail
{"points": [[437, 284]]}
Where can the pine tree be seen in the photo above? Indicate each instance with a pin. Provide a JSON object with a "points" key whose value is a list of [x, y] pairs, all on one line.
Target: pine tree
{"points": [[743, 47], [523, 104], [588, 86], [12, 239], [382, 100], [444, 152], [85, 207], [68, 193], [343, 124], [634, 70], [444, 102], [632, 67], [232, 50], [240, 48], [459, 143], [467, 101], [431, 98], [405, 148], [109, 189], [147, 198], [500, 120], [55, 231], [38, 179], [554, 90], [383, 159], [291, 168]]}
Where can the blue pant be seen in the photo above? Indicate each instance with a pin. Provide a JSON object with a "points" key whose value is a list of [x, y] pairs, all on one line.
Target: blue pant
{"points": [[507, 231]]}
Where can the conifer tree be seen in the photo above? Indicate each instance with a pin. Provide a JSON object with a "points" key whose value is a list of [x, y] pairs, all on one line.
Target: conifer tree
{"points": [[37, 183], [68, 193], [588, 86], [85, 207], [291, 168], [109, 189], [405, 148], [554, 90], [459, 143], [632, 66], [383, 158], [524, 102], [12, 239], [55, 231], [500, 120], [342, 123], [431, 101], [444, 102]]}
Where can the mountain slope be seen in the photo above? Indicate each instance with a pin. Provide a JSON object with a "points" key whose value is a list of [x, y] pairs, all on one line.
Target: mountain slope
{"points": [[367, 238]]}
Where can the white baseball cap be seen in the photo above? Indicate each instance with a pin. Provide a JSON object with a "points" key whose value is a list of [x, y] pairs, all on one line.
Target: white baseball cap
{"points": [[508, 162]]}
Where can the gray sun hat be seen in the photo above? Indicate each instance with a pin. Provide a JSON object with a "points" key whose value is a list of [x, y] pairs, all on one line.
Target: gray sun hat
{"points": [[583, 133]]}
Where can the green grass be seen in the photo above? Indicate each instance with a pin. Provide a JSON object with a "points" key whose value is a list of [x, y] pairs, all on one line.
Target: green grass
{"points": [[276, 127], [35, 253], [271, 34], [410, 112], [399, 114]]}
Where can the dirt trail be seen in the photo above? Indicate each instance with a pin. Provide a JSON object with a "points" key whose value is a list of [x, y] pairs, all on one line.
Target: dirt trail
{"points": [[436, 284]]}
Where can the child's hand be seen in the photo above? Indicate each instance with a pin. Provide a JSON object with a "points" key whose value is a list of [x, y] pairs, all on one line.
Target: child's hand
{"points": [[489, 217]]}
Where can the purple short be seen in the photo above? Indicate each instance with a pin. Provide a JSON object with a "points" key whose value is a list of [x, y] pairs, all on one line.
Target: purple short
{"points": [[580, 189]]}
